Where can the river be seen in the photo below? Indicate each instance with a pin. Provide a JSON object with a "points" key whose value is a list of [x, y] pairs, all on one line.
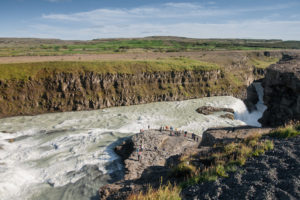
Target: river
{"points": [[69, 155]]}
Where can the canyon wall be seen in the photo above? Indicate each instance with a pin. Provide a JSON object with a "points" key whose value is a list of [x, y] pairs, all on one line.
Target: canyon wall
{"points": [[86, 91], [282, 92], [59, 91]]}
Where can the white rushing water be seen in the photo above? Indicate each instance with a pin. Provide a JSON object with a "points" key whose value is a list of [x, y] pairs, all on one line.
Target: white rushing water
{"points": [[52, 154], [252, 118]]}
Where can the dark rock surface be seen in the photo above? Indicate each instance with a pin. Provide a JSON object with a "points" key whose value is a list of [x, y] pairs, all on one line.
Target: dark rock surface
{"points": [[159, 152], [207, 110], [252, 98], [224, 135], [282, 92], [273, 176]]}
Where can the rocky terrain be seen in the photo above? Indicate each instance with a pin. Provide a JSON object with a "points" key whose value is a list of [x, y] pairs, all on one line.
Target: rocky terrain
{"points": [[159, 153], [225, 135], [282, 92], [275, 175]]}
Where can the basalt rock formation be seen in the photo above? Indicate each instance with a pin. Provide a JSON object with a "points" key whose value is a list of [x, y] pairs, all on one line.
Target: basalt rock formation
{"points": [[86, 91], [282, 92], [159, 151]]}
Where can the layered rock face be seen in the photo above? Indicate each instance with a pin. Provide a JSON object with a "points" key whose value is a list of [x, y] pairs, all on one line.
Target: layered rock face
{"points": [[282, 92], [88, 90]]}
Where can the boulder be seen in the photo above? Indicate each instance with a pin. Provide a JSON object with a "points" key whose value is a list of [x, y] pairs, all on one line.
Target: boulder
{"points": [[208, 110]]}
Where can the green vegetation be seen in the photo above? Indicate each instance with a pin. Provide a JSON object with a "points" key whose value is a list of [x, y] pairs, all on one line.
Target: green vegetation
{"points": [[290, 130], [222, 160], [39, 47], [263, 62], [25, 71], [167, 192]]}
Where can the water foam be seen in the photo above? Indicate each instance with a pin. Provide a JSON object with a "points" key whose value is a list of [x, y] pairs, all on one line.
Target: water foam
{"points": [[242, 113]]}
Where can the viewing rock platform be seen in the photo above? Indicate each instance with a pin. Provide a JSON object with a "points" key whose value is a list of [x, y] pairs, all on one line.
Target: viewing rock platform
{"points": [[157, 150]]}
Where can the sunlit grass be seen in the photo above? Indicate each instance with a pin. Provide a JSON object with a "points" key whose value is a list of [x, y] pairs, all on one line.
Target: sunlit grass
{"points": [[287, 131], [167, 192], [225, 159], [24, 71]]}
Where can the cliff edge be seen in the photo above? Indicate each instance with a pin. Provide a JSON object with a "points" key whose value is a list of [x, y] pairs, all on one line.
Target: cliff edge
{"points": [[282, 92]]}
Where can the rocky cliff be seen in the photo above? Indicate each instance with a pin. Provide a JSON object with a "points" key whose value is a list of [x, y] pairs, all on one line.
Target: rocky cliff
{"points": [[88, 90], [282, 92]]}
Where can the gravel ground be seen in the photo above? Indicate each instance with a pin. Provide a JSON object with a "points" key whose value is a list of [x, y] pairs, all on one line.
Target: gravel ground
{"points": [[275, 175]]}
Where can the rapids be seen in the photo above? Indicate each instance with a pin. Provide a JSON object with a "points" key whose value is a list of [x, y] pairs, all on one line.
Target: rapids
{"points": [[69, 155]]}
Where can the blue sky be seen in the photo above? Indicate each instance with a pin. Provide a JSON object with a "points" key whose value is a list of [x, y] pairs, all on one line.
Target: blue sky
{"points": [[90, 19]]}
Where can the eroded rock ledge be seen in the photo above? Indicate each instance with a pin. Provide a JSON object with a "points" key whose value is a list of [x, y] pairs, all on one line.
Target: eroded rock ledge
{"points": [[159, 153], [282, 92], [225, 135]]}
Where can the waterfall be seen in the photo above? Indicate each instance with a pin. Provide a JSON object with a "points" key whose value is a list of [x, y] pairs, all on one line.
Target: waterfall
{"points": [[252, 118]]}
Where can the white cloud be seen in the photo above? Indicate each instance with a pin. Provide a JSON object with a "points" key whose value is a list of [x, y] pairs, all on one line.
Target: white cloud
{"points": [[180, 19], [247, 29], [170, 11]]}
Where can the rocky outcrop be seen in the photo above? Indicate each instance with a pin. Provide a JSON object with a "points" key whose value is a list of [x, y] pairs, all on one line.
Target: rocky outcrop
{"points": [[208, 110], [273, 176], [252, 98], [225, 135], [159, 149], [282, 92]]}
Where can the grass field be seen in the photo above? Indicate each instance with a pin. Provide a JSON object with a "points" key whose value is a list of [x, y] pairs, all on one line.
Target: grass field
{"points": [[25, 71], [44, 47]]}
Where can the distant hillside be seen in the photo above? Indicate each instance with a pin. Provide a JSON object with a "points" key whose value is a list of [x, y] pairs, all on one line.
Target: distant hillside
{"points": [[46, 47]]}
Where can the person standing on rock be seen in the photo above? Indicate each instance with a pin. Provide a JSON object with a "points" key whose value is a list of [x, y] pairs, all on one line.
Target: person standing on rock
{"points": [[141, 147], [138, 153]]}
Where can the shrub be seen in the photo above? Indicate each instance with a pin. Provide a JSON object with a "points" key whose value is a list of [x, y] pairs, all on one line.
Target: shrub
{"points": [[220, 171], [269, 145], [183, 170], [286, 132]]}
